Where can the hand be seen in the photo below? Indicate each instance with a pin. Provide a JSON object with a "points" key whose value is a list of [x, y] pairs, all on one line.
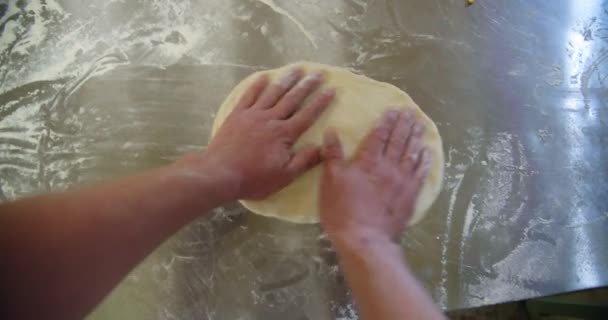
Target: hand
{"points": [[374, 196], [254, 145]]}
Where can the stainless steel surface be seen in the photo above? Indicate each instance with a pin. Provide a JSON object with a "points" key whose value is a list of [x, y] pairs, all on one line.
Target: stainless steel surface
{"points": [[97, 89]]}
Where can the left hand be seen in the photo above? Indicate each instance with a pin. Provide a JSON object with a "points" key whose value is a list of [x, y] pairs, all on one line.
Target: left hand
{"points": [[373, 196], [254, 145]]}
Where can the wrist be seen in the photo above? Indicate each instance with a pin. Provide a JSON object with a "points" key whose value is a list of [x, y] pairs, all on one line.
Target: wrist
{"points": [[204, 173], [362, 241], [369, 254]]}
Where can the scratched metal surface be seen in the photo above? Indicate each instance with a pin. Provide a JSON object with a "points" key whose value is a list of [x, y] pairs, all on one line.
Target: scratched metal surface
{"points": [[98, 89]]}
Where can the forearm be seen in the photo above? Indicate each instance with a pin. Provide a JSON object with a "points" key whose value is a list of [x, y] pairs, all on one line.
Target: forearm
{"points": [[61, 253], [381, 283]]}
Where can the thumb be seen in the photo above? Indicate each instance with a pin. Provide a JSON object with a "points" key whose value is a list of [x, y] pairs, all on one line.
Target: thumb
{"points": [[332, 153], [304, 160]]}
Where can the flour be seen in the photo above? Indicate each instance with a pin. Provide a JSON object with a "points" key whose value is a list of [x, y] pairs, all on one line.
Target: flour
{"points": [[9, 36], [472, 213], [44, 42], [47, 54], [288, 15], [457, 164], [347, 312], [456, 182], [530, 262]]}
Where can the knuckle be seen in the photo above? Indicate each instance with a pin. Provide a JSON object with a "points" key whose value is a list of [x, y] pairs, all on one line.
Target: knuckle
{"points": [[305, 86], [382, 132], [306, 116], [322, 102], [290, 99], [369, 163], [313, 111], [283, 130], [276, 90], [400, 139]]}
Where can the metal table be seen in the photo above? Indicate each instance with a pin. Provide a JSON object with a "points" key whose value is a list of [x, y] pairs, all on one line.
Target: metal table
{"points": [[97, 89]]}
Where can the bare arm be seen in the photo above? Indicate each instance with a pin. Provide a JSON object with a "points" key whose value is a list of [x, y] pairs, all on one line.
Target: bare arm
{"points": [[383, 286], [61, 253], [365, 205]]}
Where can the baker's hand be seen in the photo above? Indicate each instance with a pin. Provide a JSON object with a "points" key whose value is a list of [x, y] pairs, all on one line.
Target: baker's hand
{"points": [[254, 145], [374, 196]]}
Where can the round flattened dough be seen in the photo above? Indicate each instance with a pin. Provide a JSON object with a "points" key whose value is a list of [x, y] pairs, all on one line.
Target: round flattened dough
{"points": [[358, 106]]}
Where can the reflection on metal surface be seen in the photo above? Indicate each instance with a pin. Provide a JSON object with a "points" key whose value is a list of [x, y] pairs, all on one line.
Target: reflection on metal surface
{"points": [[517, 88], [283, 12]]}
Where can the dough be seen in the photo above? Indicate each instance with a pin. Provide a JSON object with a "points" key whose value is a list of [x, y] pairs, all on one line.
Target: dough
{"points": [[359, 103]]}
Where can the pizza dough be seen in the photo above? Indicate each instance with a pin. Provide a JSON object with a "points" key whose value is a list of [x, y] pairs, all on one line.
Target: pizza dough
{"points": [[359, 103]]}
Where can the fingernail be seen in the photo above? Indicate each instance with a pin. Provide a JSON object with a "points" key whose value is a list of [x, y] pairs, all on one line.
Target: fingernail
{"points": [[413, 157], [329, 92], [392, 115], [428, 160], [290, 79], [330, 137], [418, 128], [408, 117], [316, 75], [313, 77]]}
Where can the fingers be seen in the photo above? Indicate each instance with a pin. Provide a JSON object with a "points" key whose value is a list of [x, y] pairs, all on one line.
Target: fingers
{"points": [[293, 99], [304, 160], [332, 152], [274, 92], [307, 115], [399, 136], [375, 142], [252, 94], [423, 166], [413, 148]]}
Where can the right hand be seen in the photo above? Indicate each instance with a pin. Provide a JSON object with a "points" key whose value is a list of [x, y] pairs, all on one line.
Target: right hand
{"points": [[374, 196], [253, 149]]}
